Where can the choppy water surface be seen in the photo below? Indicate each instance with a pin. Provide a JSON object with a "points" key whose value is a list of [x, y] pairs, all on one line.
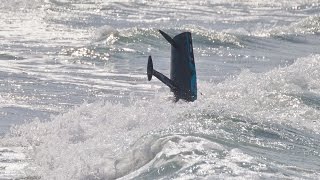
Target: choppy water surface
{"points": [[74, 88]]}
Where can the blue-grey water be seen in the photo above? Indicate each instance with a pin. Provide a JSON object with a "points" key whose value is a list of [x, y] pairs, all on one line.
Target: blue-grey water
{"points": [[76, 103]]}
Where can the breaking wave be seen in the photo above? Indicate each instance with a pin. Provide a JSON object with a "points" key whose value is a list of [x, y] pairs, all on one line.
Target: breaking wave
{"points": [[110, 35], [155, 137], [309, 25]]}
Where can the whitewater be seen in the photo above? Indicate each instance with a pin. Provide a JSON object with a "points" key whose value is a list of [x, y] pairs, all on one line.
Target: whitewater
{"points": [[76, 103]]}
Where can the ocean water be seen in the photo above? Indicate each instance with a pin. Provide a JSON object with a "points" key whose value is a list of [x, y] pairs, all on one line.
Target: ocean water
{"points": [[76, 103]]}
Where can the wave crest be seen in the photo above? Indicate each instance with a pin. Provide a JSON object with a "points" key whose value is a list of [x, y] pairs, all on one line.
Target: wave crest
{"points": [[310, 25]]}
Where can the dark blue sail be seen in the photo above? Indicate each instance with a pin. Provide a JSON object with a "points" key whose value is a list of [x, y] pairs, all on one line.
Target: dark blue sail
{"points": [[183, 79]]}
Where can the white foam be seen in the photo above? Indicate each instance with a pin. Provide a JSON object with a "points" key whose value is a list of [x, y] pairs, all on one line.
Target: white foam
{"points": [[96, 139], [271, 96], [96, 129]]}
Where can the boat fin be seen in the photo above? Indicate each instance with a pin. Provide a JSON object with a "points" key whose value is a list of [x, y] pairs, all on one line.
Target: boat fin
{"points": [[161, 77], [150, 68], [169, 39]]}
